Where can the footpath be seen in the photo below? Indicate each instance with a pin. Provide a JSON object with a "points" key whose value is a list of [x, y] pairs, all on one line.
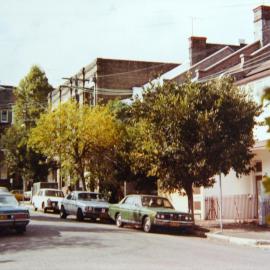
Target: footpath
{"points": [[240, 233]]}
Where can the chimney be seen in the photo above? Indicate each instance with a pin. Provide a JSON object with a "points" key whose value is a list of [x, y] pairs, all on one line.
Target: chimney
{"points": [[197, 49], [262, 24]]}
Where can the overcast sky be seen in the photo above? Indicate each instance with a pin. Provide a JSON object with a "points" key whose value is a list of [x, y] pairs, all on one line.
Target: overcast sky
{"points": [[62, 36]]}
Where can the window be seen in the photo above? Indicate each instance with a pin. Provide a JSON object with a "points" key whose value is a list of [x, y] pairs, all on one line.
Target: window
{"points": [[258, 166], [4, 116], [129, 200]]}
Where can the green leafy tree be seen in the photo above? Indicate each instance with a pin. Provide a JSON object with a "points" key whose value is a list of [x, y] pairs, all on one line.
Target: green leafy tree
{"points": [[31, 101], [81, 136], [188, 133], [121, 168]]}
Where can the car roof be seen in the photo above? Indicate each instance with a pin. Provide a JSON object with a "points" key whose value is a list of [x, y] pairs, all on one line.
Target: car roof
{"points": [[53, 189], [6, 193], [146, 195], [78, 191]]}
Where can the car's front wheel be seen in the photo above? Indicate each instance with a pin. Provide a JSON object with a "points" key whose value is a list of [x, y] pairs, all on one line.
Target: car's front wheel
{"points": [[147, 224], [63, 213], [80, 216], [118, 221]]}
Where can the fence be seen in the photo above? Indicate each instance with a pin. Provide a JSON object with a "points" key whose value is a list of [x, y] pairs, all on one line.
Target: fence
{"points": [[237, 207], [265, 211]]}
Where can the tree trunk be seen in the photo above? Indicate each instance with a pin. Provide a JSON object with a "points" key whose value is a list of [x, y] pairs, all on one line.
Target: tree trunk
{"points": [[189, 192], [83, 180]]}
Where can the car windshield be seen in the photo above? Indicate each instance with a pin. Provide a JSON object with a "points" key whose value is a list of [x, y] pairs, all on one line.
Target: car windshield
{"points": [[54, 193], [7, 200], [149, 201], [88, 196]]}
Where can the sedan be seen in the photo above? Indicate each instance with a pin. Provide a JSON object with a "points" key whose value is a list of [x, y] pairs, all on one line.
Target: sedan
{"points": [[148, 211], [11, 214], [84, 205]]}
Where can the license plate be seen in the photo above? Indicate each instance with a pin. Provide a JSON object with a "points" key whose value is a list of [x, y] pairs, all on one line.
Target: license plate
{"points": [[103, 210], [174, 224]]}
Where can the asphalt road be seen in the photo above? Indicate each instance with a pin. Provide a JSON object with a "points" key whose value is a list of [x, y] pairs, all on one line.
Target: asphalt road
{"points": [[52, 243]]}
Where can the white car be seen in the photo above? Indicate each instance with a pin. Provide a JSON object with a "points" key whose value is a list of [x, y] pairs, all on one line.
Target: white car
{"points": [[48, 199]]}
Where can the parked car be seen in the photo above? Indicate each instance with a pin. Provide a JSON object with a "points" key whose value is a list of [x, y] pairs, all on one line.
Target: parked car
{"points": [[84, 205], [48, 199], [18, 194], [11, 214], [148, 211]]}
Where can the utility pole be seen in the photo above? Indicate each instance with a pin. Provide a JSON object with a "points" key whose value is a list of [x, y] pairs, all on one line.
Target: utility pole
{"points": [[220, 203], [76, 86]]}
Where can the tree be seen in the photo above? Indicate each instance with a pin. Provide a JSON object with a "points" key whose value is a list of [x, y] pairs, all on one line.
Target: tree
{"points": [[31, 101], [121, 169], [81, 136], [193, 131], [31, 97]]}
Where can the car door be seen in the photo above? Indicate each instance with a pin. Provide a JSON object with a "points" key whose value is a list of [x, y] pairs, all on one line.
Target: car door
{"points": [[137, 207], [73, 204], [66, 203], [127, 209]]}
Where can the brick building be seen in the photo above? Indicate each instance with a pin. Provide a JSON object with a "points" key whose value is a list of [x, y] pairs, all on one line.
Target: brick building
{"points": [[106, 79]]}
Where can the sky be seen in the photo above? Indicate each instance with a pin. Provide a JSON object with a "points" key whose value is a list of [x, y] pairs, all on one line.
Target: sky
{"points": [[62, 36]]}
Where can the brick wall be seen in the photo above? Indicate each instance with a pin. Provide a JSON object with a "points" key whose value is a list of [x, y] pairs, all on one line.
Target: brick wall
{"points": [[125, 74]]}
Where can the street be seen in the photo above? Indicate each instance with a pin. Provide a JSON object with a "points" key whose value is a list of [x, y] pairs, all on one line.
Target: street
{"points": [[52, 243]]}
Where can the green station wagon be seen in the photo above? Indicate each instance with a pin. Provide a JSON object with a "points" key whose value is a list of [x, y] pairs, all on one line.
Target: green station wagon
{"points": [[148, 211]]}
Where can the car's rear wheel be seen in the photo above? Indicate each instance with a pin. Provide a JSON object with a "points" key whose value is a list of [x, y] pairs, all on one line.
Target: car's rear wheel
{"points": [[44, 208], [63, 213], [147, 224], [80, 216], [118, 221], [20, 229]]}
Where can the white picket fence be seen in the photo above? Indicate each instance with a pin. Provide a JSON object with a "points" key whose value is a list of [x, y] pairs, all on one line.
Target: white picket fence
{"points": [[236, 207]]}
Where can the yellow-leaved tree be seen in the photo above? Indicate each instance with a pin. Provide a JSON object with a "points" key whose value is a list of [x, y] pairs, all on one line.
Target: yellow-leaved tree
{"points": [[79, 135]]}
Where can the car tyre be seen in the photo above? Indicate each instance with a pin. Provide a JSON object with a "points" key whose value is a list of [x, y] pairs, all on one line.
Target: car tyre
{"points": [[118, 221], [63, 213], [80, 216], [147, 224], [20, 229]]}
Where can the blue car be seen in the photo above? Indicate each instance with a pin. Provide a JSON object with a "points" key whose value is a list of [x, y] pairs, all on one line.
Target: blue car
{"points": [[12, 215]]}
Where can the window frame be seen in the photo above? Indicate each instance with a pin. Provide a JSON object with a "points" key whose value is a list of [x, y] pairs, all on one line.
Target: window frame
{"points": [[4, 121]]}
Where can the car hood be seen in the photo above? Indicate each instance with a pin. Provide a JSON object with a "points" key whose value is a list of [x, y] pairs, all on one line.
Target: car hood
{"points": [[165, 210], [95, 203], [12, 209]]}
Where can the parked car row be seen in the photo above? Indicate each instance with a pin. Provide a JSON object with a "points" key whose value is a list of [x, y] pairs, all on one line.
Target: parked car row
{"points": [[146, 211]]}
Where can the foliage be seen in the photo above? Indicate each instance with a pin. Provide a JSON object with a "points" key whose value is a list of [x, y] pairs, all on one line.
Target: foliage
{"points": [[188, 133], [81, 136], [31, 96], [122, 169]]}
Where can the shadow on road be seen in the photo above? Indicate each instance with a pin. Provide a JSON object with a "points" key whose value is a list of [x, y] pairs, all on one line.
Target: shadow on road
{"points": [[49, 231], [51, 235]]}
